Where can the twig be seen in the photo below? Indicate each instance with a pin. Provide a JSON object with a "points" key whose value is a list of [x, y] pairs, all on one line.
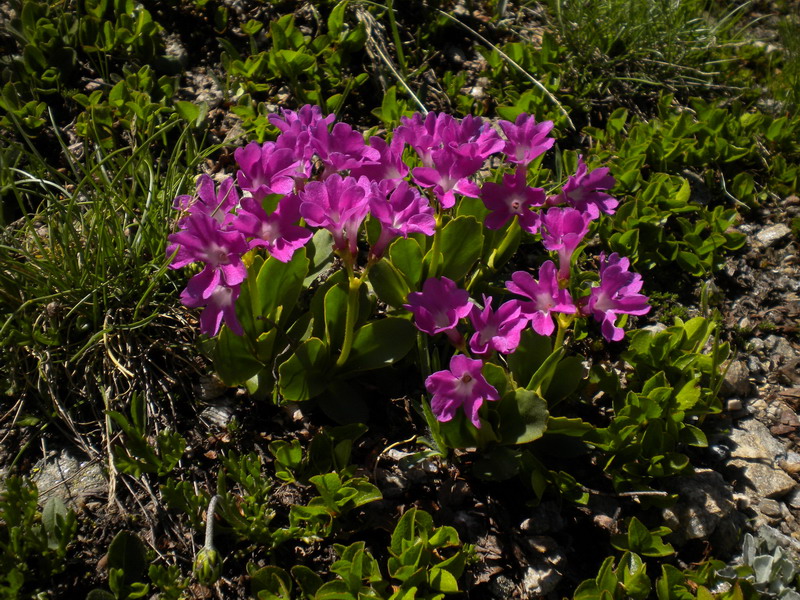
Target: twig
{"points": [[514, 64]]}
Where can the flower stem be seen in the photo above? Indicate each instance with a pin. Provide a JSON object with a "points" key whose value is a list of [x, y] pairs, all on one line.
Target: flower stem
{"points": [[212, 506], [498, 251], [436, 249], [352, 313], [505, 243], [564, 321]]}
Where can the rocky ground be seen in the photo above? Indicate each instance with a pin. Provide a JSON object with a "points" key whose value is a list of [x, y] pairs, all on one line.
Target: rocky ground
{"points": [[746, 480]]}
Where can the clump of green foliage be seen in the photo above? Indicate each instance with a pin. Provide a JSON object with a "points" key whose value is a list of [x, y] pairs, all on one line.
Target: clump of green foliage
{"points": [[33, 542]]}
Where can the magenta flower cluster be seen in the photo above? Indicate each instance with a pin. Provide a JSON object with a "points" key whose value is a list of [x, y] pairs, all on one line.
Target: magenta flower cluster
{"points": [[319, 173]]}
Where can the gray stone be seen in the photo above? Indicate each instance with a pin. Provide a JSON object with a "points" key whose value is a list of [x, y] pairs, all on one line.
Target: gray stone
{"points": [[780, 345], [66, 477], [737, 380], [756, 454], [773, 234], [391, 483], [770, 507], [705, 500], [545, 518], [539, 580], [733, 405], [502, 587]]}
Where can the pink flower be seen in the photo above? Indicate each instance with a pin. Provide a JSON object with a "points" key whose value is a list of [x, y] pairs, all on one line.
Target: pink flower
{"points": [[545, 297], [277, 232], [339, 205], [475, 131], [512, 198], [463, 386], [448, 176], [308, 117], [435, 131], [389, 166], [342, 148], [221, 251], [220, 305], [404, 211], [498, 330], [527, 139], [563, 229], [216, 204], [585, 191], [439, 306], [266, 169], [618, 293]]}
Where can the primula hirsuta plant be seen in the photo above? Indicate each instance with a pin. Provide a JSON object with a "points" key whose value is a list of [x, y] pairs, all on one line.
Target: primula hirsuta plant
{"points": [[407, 230]]}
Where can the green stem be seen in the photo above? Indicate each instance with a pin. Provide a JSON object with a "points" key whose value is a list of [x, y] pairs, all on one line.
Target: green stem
{"points": [[352, 313], [498, 251], [212, 507], [436, 258], [401, 58], [564, 321], [505, 243]]}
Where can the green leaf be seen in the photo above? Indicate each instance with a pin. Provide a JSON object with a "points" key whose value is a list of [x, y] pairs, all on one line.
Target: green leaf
{"points": [[335, 315], [53, 512], [279, 285], [523, 417], [270, 582], [127, 552], [307, 579], [380, 343], [188, 111], [406, 257], [304, 374], [693, 436], [540, 380], [461, 244], [292, 63], [575, 427], [442, 581], [389, 284], [532, 351], [336, 19], [500, 463], [233, 358], [569, 375]]}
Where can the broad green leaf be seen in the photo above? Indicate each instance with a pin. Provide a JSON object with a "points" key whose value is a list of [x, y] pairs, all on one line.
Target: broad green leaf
{"points": [[461, 244], [335, 316], [389, 284], [336, 19], [406, 256], [270, 582], [442, 581], [380, 344], [569, 375], [279, 285], [188, 111], [500, 463], [523, 416], [233, 358], [307, 579], [54, 511], [532, 351], [127, 552], [304, 374]]}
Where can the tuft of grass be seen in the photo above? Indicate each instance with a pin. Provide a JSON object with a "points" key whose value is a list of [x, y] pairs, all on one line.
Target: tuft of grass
{"points": [[87, 301], [623, 45], [789, 79]]}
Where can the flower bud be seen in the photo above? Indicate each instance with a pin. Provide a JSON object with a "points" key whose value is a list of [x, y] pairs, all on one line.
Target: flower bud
{"points": [[207, 566]]}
